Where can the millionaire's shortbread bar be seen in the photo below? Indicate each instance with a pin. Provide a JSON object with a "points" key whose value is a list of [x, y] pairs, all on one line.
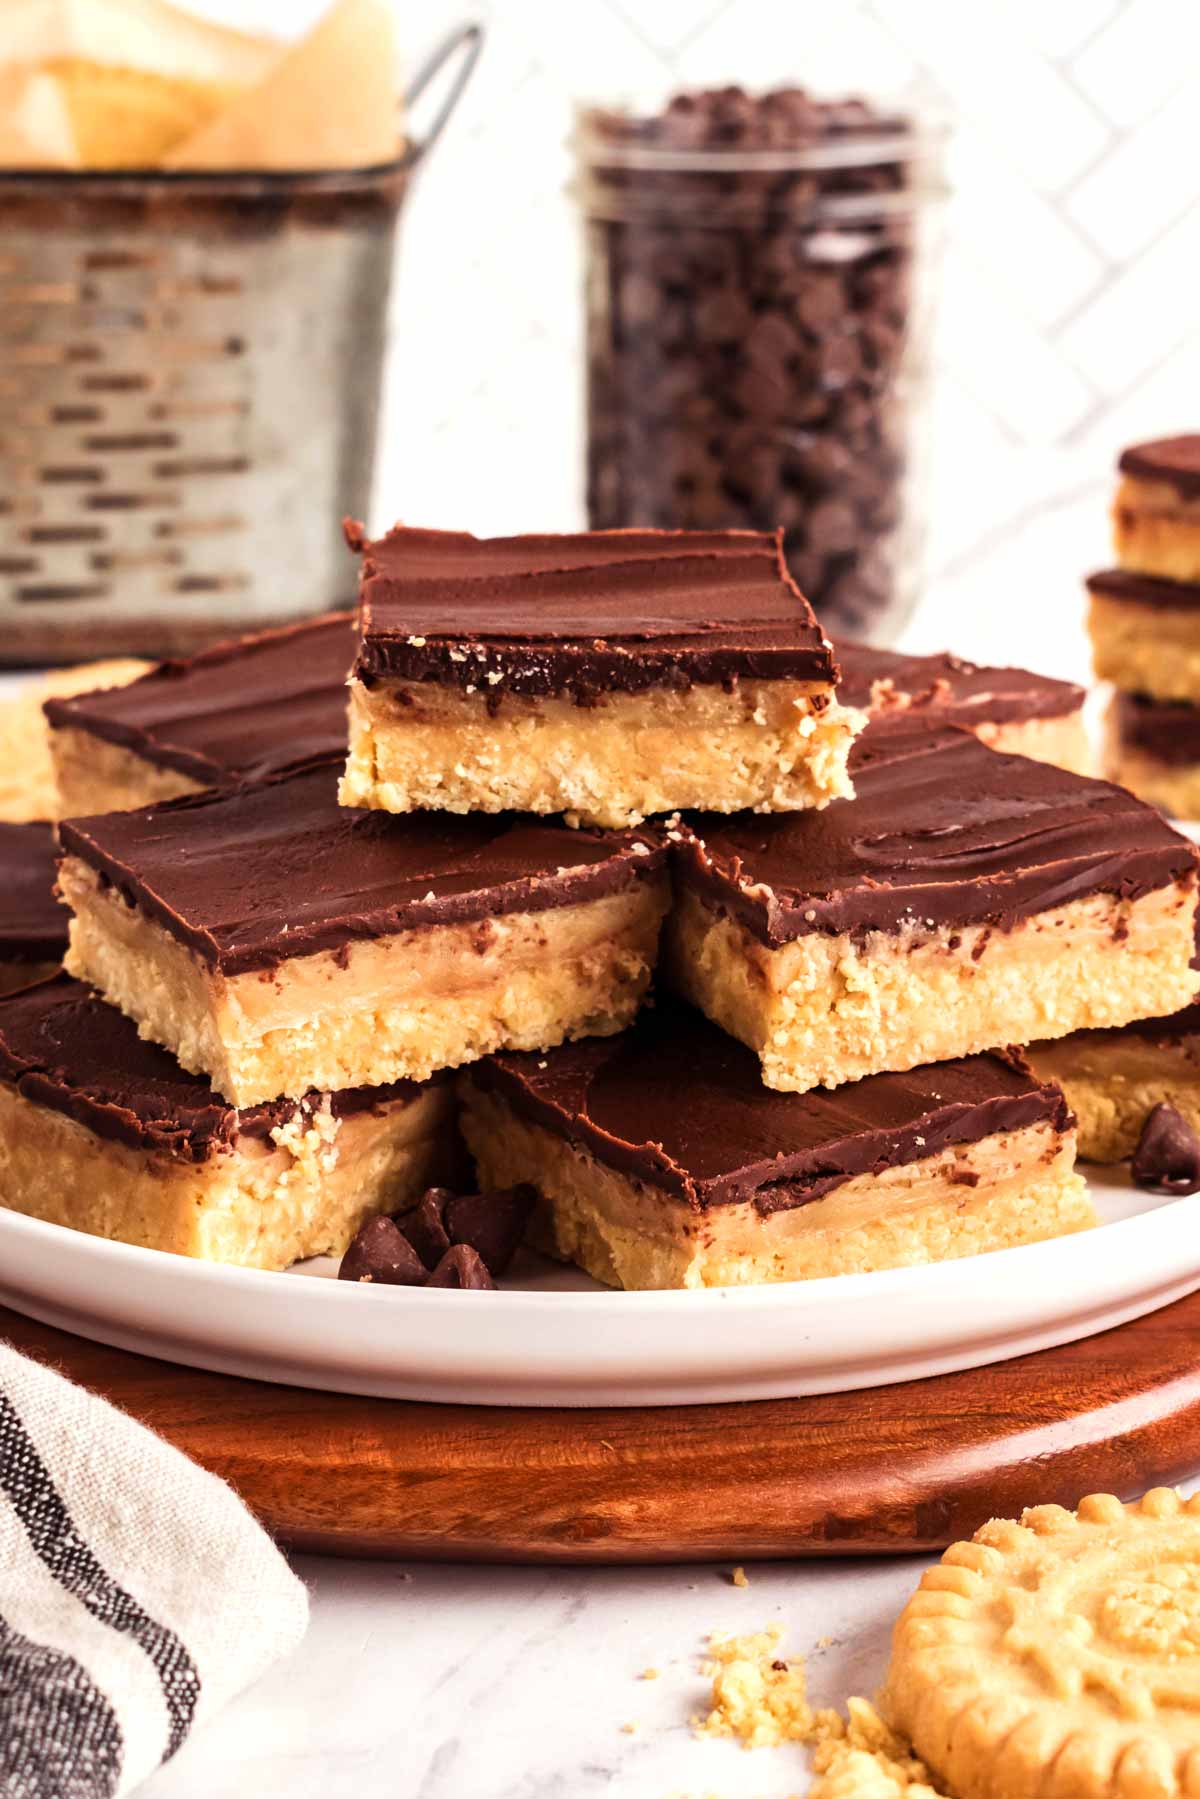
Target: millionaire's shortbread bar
{"points": [[105, 1133], [279, 942], [661, 1160], [604, 676], [962, 900]]}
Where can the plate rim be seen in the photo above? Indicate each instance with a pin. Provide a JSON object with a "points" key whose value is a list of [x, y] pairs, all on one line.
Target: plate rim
{"points": [[767, 1295]]}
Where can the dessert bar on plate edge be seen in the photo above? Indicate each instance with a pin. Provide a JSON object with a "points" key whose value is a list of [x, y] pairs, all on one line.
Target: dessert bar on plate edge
{"points": [[104, 1132], [662, 1160]]}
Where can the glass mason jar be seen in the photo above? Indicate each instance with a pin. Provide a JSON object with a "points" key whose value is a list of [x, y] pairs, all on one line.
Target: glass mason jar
{"points": [[759, 275]]}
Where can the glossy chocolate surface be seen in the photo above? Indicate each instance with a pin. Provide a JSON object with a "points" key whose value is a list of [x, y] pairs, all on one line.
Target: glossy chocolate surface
{"points": [[677, 1104], [64, 1048], [33, 925], [584, 615], [250, 878], [1175, 460], [942, 832], [250, 707], [946, 689], [1145, 590]]}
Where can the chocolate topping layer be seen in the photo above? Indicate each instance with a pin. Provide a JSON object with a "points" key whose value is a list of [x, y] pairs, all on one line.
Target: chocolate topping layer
{"points": [[250, 707], [1168, 730], [63, 1048], [588, 614], [256, 876], [724, 1137], [941, 831], [408, 553], [947, 690], [1175, 460], [1145, 590], [33, 926]]}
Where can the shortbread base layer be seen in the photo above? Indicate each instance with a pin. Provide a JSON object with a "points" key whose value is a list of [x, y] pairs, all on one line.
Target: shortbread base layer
{"points": [[1155, 531], [262, 1203], [389, 1008], [28, 788], [1113, 1085], [764, 746], [822, 1010], [15, 975], [1143, 649], [1063, 741], [93, 776], [628, 1234]]}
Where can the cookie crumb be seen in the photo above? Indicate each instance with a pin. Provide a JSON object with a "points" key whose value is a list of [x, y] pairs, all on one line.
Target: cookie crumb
{"points": [[738, 1577], [648, 1674], [630, 1729], [757, 1696], [760, 1697]]}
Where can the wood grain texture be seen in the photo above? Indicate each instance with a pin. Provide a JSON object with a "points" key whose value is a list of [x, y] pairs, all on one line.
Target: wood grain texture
{"points": [[891, 1469]]}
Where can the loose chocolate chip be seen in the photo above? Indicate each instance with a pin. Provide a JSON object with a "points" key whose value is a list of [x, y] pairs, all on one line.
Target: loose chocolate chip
{"points": [[461, 1267], [492, 1224], [1167, 1157], [381, 1254], [423, 1225]]}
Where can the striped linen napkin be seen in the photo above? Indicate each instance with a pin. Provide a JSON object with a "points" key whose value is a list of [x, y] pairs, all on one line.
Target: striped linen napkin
{"points": [[137, 1594]]}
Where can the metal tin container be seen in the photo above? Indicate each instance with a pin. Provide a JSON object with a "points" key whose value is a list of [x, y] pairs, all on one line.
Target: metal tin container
{"points": [[190, 370]]}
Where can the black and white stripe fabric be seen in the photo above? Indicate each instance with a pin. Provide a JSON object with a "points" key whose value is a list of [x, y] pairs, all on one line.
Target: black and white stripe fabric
{"points": [[137, 1594]]}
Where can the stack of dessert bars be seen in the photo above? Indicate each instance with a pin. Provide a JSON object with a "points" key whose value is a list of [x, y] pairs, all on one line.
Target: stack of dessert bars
{"points": [[1144, 617], [621, 876]]}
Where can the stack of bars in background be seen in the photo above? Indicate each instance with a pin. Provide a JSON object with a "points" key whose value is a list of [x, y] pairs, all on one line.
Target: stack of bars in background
{"points": [[1144, 620], [602, 885]]}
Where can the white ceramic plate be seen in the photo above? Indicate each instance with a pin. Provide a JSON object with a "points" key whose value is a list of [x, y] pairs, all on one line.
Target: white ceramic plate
{"points": [[552, 1337]]}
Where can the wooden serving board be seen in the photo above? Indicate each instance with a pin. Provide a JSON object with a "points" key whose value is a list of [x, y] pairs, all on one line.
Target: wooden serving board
{"points": [[902, 1468]]}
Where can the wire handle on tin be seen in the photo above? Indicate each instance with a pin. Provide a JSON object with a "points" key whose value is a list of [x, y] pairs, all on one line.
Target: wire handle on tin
{"points": [[465, 42]]}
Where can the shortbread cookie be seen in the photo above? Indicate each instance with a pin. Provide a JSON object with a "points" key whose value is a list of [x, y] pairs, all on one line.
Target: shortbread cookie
{"points": [[605, 676], [963, 899], [1156, 512], [1114, 1079], [1059, 1656], [27, 785], [254, 706], [662, 1161], [278, 942], [33, 925], [105, 1133], [1009, 709], [1146, 634], [1153, 748]]}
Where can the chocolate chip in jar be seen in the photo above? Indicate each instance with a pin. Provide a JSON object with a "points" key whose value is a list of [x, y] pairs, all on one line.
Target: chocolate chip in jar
{"points": [[757, 317]]}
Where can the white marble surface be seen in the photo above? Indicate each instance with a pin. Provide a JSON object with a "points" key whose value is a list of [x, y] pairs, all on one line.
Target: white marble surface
{"points": [[422, 1682]]}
